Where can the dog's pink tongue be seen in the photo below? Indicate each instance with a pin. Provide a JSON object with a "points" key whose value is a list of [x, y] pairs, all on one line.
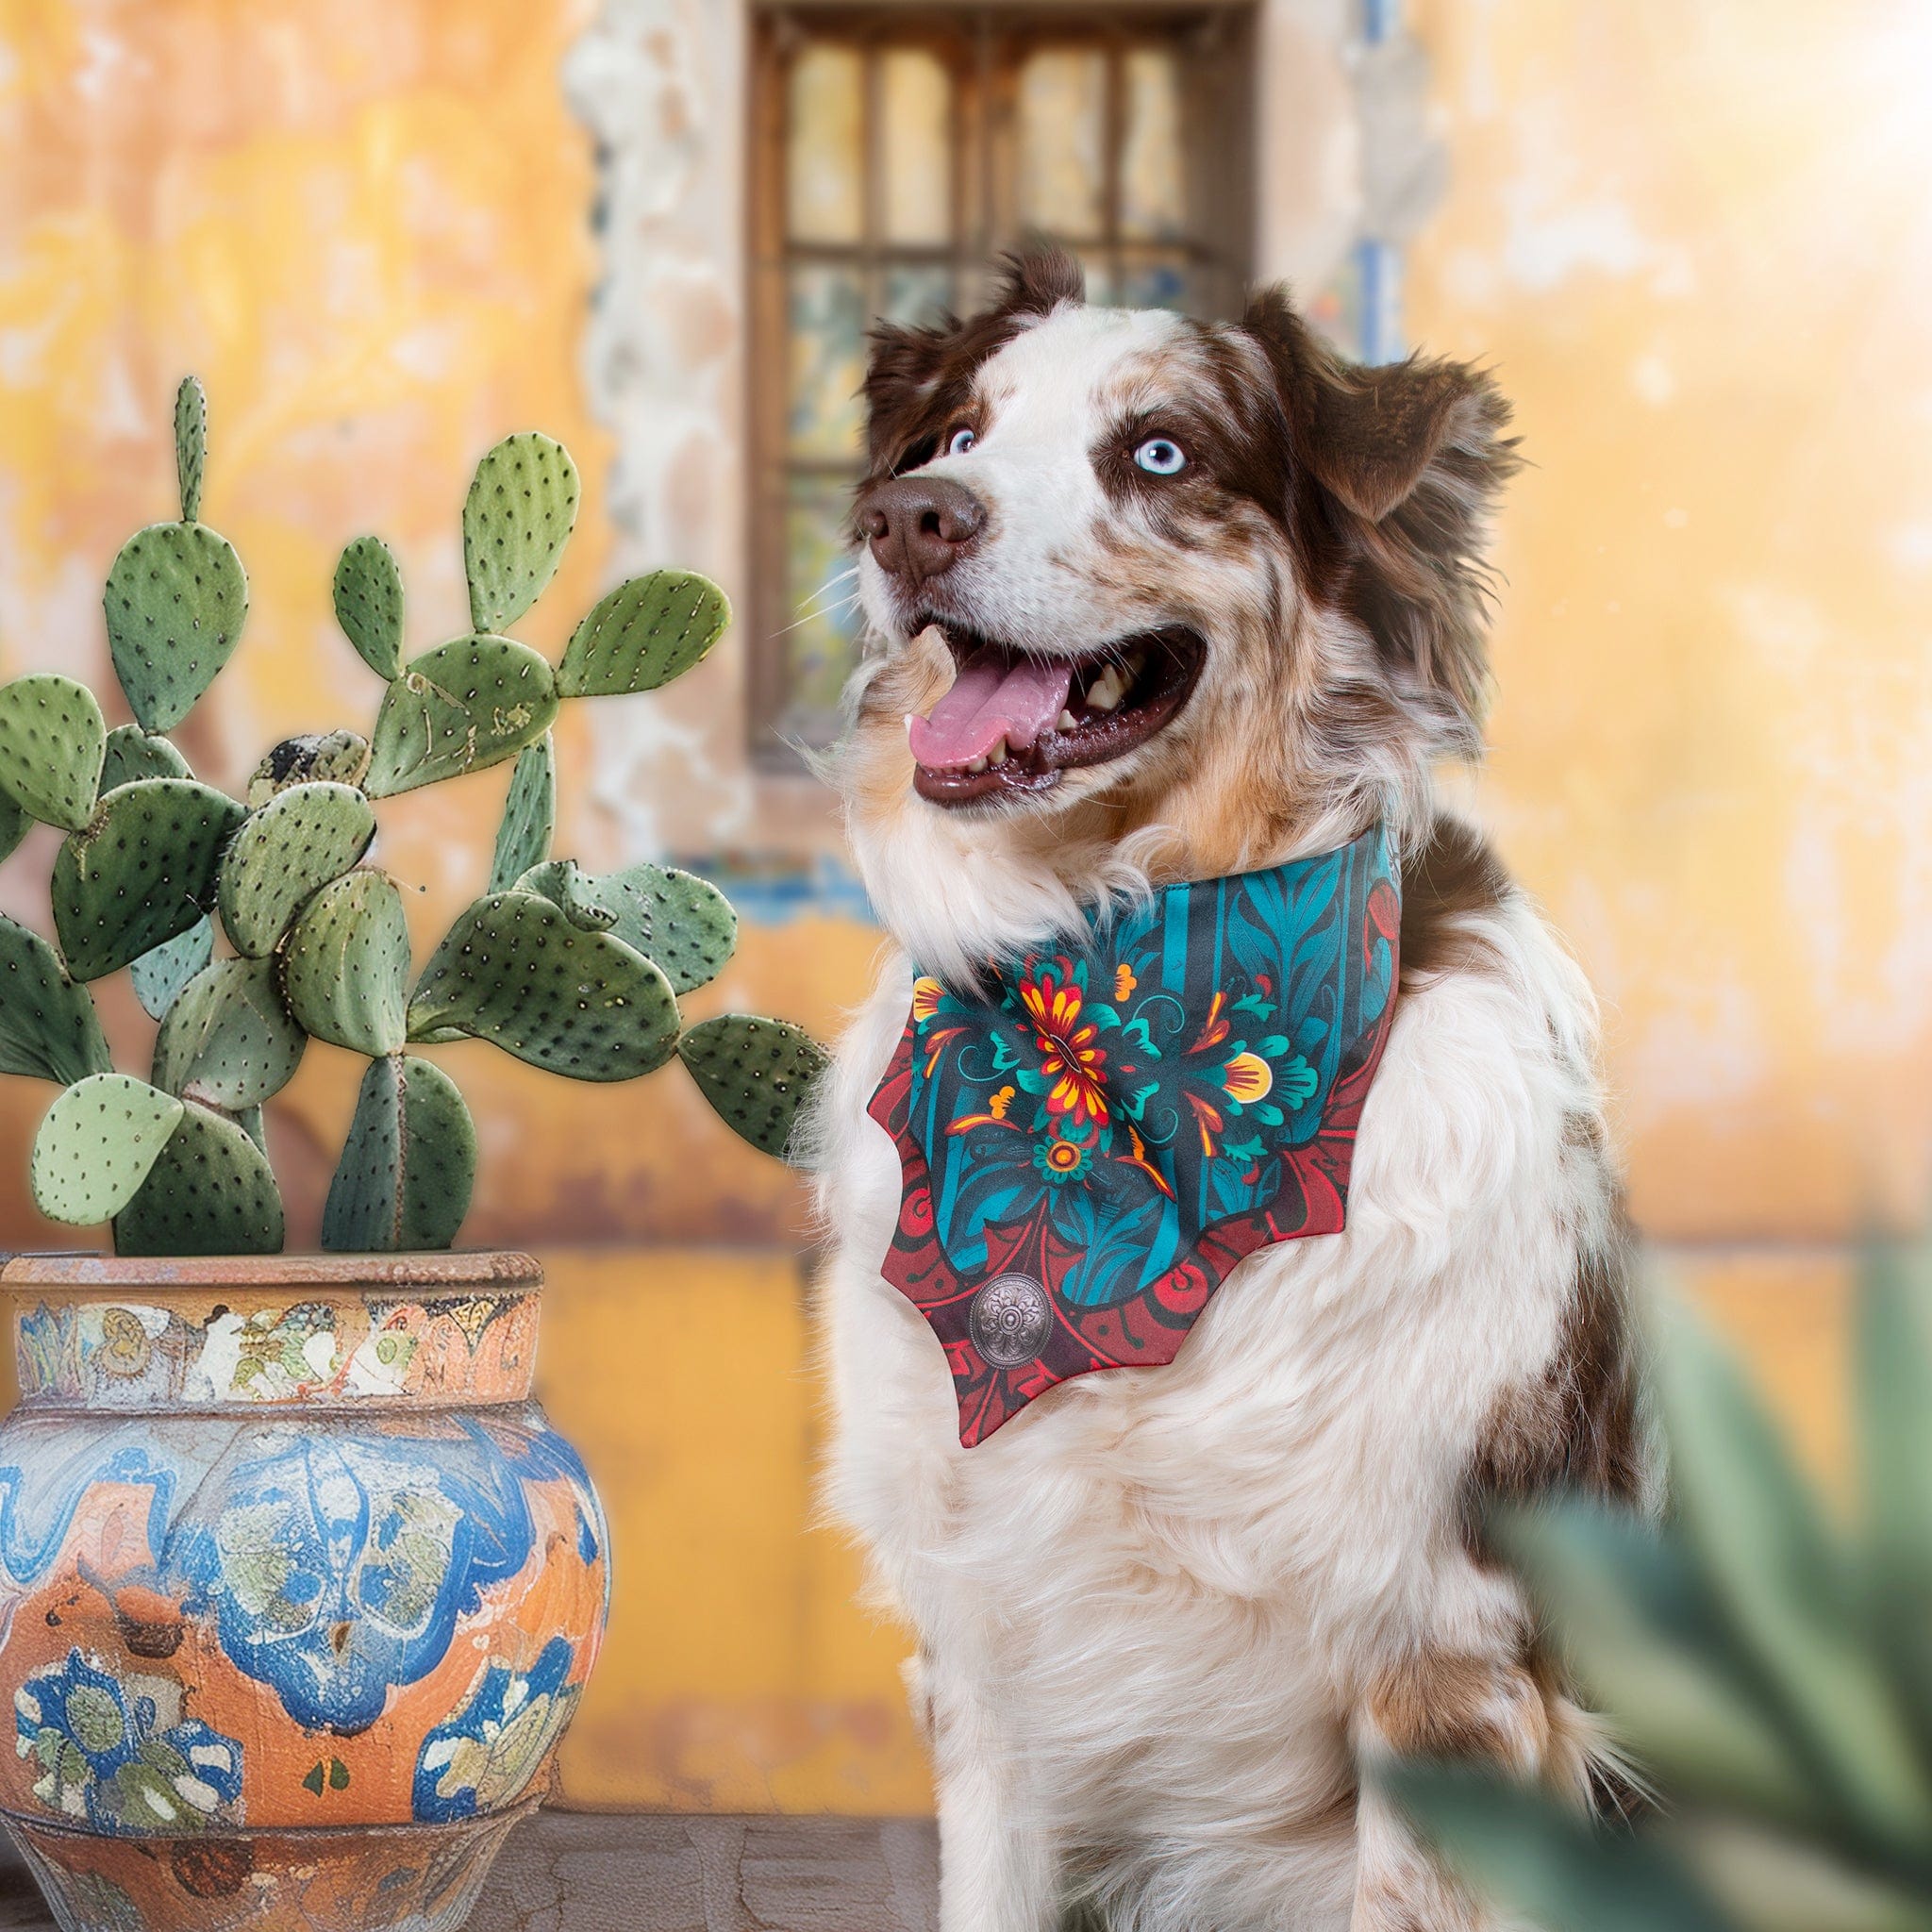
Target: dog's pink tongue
{"points": [[994, 696]]}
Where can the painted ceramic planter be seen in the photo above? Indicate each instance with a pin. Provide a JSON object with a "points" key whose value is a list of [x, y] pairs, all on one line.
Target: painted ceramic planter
{"points": [[298, 1588]]}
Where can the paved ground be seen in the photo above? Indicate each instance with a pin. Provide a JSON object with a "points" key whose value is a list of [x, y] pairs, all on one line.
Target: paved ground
{"points": [[569, 1873]]}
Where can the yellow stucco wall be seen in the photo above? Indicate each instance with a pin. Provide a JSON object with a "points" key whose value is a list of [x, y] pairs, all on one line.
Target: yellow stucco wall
{"points": [[1689, 238]]}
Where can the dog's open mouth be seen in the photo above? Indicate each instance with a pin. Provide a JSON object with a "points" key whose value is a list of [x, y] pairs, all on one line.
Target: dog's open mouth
{"points": [[1014, 723]]}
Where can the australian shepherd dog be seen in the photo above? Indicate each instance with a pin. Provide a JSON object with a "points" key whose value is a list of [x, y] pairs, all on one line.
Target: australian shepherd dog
{"points": [[1170, 1619]]}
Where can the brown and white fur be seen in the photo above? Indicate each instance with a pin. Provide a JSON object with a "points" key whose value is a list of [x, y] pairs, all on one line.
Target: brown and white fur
{"points": [[1168, 1618]]}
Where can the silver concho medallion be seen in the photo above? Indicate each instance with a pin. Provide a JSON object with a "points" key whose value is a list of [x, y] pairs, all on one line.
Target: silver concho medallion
{"points": [[1009, 1319]]}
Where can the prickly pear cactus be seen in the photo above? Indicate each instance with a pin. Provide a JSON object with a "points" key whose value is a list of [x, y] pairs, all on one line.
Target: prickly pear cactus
{"points": [[515, 971], [756, 1072], [368, 604], [470, 702], [98, 1143], [530, 815], [14, 825], [519, 514], [52, 745], [227, 1040], [339, 757], [295, 844], [643, 634], [682, 922], [346, 965], [210, 1191], [564, 883], [133, 753], [191, 445], [140, 871], [160, 975], [410, 1163], [48, 1028], [176, 600], [575, 971]]}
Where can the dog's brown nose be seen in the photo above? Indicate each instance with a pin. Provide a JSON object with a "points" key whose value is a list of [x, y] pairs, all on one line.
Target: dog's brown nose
{"points": [[918, 525]]}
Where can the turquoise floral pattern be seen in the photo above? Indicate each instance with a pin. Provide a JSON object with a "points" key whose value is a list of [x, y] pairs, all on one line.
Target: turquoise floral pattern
{"points": [[1117, 1117], [118, 1755]]}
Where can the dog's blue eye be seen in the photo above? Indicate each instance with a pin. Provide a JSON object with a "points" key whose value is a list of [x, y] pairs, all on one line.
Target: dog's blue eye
{"points": [[960, 441], [1160, 456]]}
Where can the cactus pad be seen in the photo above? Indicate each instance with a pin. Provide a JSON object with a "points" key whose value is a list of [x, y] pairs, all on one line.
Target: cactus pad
{"points": [[530, 815], [48, 1028], [682, 924], [297, 843], [693, 929], [368, 604], [52, 744], [14, 825], [409, 1165], [142, 870], [346, 968], [564, 883], [96, 1145], [160, 975], [643, 634], [756, 1072], [210, 1192], [191, 445], [519, 514], [133, 753], [176, 603], [227, 1040], [338, 757], [514, 970], [467, 704]]}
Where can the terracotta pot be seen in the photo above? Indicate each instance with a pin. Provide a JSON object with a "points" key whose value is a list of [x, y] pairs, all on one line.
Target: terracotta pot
{"points": [[298, 1590]]}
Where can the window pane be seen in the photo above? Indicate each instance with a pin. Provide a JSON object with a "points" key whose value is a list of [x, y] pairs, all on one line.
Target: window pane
{"points": [[826, 145], [915, 295], [1062, 141], [1337, 309], [1157, 284], [1153, 186], [827, 321], [821, 606], [1102, 290], [916, 147]]}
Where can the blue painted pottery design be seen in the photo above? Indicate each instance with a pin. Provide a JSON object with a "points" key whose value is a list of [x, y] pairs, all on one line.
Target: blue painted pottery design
{"points": [[117, 1752], [298, 1588], [338, 1565], [489, 1752]]}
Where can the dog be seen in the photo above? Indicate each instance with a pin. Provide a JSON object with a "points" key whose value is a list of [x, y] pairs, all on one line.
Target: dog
{"points": [[1169, 1619]]}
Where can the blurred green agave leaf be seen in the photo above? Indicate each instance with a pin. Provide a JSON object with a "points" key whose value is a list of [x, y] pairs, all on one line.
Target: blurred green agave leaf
{"points": [[1545, 1861], [1784, 1582], [1641, 1632], [1764, 1663]]}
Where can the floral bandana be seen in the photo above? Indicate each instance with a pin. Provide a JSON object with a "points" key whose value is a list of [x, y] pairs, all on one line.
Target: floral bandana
{"points": [[1094, 1138]]}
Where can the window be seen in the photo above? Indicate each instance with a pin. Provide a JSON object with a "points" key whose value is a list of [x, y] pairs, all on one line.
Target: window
{"points": [[896, 152]]}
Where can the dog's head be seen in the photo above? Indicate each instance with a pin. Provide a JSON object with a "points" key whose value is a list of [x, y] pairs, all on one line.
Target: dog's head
{"points": [[1149, 591]]}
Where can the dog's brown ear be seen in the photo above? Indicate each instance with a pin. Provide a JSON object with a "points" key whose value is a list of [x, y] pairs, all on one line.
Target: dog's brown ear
{"points": [[1396, 474], [918, 379], [1370, 434], [1037, 279]]}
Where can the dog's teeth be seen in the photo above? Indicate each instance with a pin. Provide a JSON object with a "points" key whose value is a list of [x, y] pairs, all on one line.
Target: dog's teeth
{"points": [[1067, 722], [997, 756], [977, 765]]}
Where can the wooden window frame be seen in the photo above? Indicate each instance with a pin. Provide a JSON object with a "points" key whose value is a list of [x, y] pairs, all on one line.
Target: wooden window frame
{"points": [[983, 44]]}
